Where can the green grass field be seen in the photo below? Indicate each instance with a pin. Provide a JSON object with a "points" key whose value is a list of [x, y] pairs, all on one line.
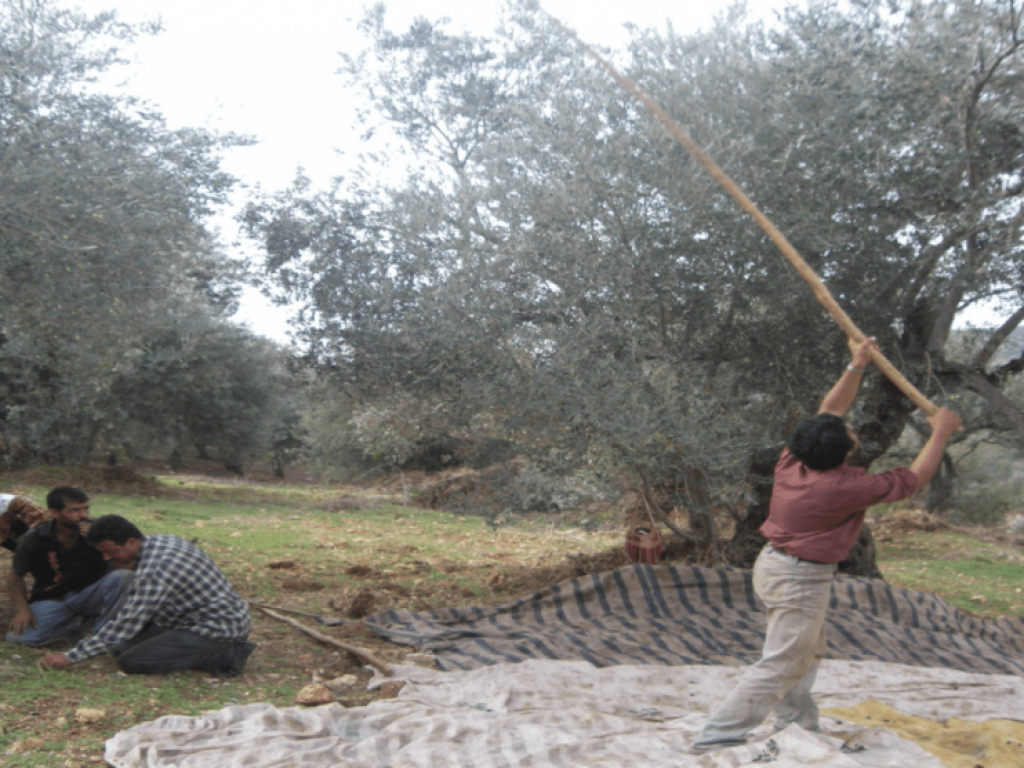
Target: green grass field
{"points": [[282, 546], [983, 578]]}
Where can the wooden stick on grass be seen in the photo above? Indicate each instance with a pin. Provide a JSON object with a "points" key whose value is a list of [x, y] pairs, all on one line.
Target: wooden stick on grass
{"points": [[288, 610], [794, 258], [366, 656]]}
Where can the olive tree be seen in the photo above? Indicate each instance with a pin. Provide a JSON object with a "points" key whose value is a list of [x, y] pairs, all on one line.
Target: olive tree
{"points": [[555, 270], [103, 213], [205, 384]]}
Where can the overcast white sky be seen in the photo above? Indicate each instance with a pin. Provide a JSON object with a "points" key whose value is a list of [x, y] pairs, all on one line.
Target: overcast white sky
{"points": [[267, 68]]}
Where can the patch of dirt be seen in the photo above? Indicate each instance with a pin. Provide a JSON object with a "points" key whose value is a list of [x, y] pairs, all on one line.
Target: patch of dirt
{"points": [[360, 572], [1007, 534], [458, 489], [301, 585], [347, 503], [401, 482], [124, 480], [398, 589], [214, 471], [120, 478], [363, 604], [512, 582], [908, 520]]}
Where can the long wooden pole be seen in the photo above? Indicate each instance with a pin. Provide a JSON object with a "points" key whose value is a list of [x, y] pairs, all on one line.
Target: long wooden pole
{"points": [[794, 258]]}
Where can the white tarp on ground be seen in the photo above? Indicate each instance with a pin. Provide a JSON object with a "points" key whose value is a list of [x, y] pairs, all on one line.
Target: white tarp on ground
{"points": [[557, 713]]}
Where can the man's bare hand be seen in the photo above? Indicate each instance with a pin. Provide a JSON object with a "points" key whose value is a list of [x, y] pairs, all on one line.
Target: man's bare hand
{"points": [[56, 661], [861, 351], [944, 422], [22, 621]]}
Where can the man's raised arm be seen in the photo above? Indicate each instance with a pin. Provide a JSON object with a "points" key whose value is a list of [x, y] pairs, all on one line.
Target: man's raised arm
{"points": [[943, 423], [844, 392]]}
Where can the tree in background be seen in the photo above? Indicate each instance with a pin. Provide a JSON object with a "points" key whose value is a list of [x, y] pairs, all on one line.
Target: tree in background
{"points": [[208, 385], [881, 139], [554, 270], [105, 254]]}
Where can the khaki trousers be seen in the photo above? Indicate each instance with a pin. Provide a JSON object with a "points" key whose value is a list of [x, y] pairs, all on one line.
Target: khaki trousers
{"points": [[796, 594]]}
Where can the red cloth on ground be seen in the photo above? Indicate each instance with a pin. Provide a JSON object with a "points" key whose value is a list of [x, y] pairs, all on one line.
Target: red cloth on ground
{"points": [[817, 515]]}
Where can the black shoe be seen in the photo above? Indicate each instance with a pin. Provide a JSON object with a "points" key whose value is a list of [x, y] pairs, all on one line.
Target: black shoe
{"points": [[243, 650]]}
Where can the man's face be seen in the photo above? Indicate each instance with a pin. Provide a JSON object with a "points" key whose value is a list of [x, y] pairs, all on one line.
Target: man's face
{"points": [[120, 555], [72, 514]]}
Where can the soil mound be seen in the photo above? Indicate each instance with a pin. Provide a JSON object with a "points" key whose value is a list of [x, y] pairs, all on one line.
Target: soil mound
{"points": [[907, 520], [123, 479]]}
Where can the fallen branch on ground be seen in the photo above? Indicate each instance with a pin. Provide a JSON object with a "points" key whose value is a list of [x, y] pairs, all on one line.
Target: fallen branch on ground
{"points": [[321, 619], [366, 656]]}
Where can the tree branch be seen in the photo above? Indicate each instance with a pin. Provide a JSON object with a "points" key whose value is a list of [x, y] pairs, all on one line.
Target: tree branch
{"points": [[996, 339], [931, 260], [360, 653], [999, 402]]}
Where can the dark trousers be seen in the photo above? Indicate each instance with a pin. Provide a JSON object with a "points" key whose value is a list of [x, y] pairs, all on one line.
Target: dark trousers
{"points": [[158, 649]]}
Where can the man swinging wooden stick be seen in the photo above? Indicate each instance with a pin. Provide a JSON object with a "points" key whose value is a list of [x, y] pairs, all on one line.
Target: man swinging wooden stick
{"points": [[817, 507]]}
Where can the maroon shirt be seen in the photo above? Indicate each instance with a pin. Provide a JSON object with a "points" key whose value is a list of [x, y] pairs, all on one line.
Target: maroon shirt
{"points": [[817, 515]]}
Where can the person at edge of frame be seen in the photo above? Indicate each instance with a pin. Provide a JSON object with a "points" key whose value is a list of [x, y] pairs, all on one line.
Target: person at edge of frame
{"points": [[18, 514]]}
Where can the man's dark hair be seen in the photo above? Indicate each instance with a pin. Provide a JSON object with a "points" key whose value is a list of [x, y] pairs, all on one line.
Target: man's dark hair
{"points": [[58, 498], [112, 528], [821, 442]]}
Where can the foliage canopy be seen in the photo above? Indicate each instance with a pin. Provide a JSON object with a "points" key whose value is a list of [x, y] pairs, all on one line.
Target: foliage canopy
{"points": [[104, 243], [551, 268]]}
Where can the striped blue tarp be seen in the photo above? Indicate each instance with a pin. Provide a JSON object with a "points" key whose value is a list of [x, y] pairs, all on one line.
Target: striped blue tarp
{"points": [[676, 614]]}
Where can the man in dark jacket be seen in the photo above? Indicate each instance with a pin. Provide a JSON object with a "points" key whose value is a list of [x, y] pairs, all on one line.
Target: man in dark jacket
{"points": [[70, 579]]}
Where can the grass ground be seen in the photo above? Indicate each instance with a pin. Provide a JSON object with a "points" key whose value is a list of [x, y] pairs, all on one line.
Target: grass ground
{"points": [[985, 578], [346, 552]]}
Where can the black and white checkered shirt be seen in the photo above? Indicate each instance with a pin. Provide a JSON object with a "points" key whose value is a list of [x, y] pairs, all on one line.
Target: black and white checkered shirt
{"points": [[176, 586]]}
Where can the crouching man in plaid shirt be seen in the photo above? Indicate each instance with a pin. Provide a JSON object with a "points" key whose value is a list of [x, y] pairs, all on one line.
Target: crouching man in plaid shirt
{"points": [[179, 613]]}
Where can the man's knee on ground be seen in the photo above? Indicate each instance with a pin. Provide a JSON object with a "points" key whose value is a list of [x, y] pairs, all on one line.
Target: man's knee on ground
{"points": [[137, 663], [126, 666]]}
